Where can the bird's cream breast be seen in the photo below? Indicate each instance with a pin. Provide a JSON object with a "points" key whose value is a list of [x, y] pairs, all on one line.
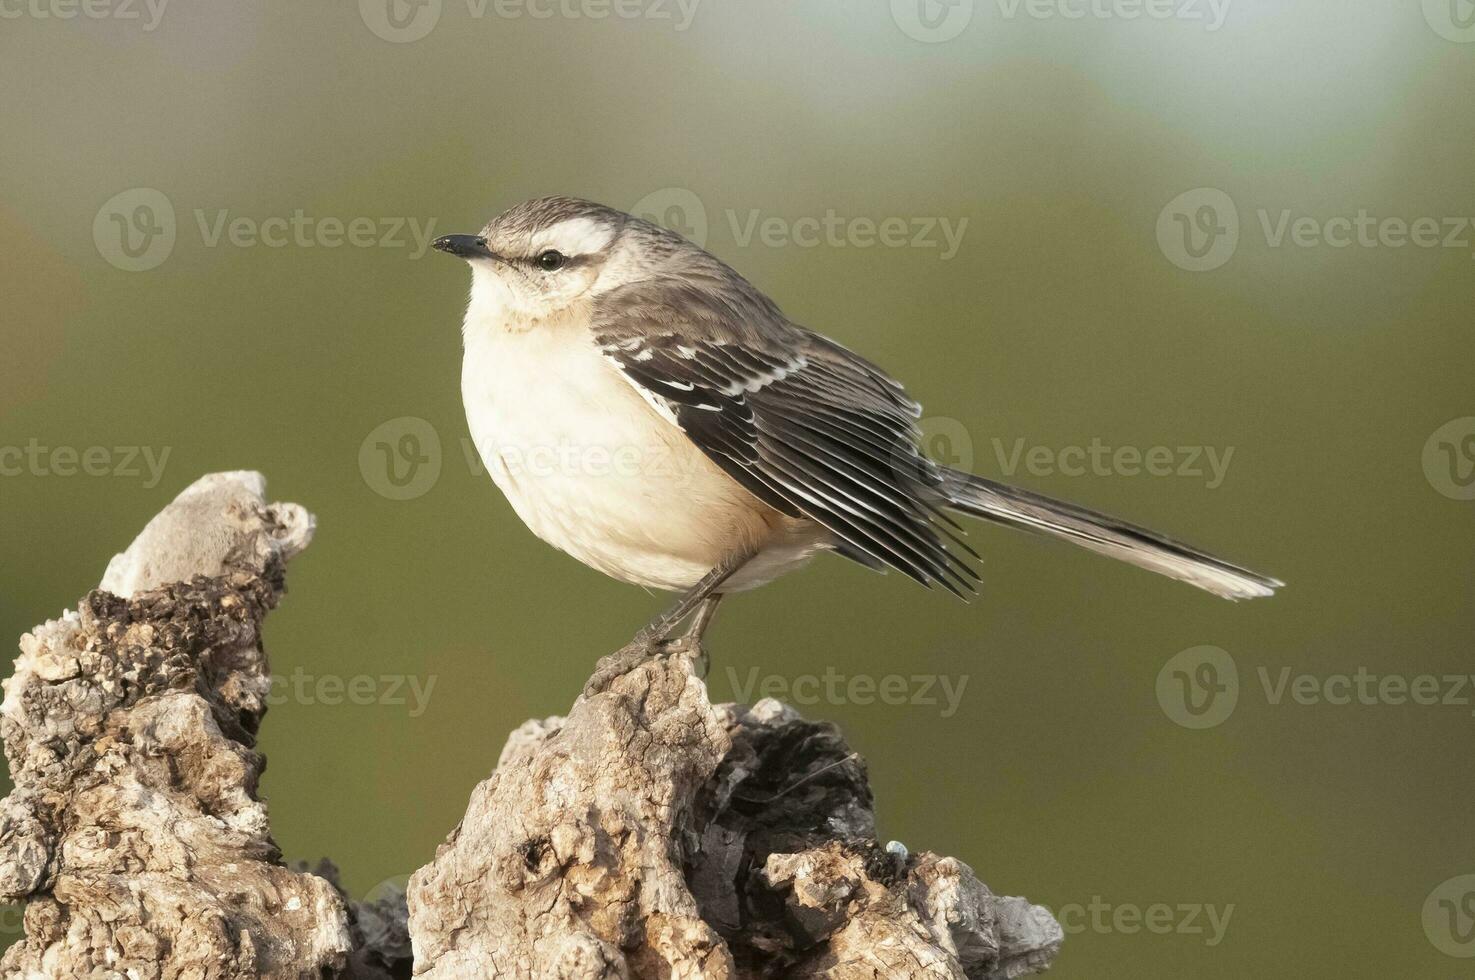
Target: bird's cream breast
{"points": [[589, 465]]}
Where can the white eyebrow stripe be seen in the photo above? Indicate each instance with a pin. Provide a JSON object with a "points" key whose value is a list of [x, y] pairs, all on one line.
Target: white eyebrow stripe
{"points": [[576, 236]]}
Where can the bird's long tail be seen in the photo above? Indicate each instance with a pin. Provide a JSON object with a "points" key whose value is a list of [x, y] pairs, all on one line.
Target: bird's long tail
{"points": [[992, 501]]}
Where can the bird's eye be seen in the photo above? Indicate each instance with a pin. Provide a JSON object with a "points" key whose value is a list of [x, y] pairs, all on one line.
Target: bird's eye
{"points": [[552, 260]]}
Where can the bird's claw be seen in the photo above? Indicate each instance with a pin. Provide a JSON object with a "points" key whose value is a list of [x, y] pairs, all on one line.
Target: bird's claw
{"points": [[639, 651], [692, 648], [618, 664]]}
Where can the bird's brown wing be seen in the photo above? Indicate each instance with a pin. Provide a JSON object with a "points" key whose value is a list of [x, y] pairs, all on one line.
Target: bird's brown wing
{"points": [[805, 425]]}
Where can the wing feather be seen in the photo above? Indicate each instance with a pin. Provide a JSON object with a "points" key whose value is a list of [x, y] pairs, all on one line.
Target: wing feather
{"points": [[800, 422]]}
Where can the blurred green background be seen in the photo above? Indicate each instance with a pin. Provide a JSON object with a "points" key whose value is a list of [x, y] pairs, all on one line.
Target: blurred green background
{"points": [[1079, 308]]}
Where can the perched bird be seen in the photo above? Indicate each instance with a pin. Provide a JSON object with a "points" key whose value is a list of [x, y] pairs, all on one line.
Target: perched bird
{"points": [[652, 413]]}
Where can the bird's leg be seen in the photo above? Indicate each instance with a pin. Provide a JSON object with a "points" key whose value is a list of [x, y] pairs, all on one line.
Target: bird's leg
{"points": [[652, 637], [689, 644], [660, 628]]}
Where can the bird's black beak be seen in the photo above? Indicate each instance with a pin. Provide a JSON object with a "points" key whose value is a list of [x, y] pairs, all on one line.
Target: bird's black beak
{"points": [[466, 246]]}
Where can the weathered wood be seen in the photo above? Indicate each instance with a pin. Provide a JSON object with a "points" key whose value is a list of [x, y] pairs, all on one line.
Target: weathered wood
{"points": [[134, 830], [647, 834], [652, 834]]}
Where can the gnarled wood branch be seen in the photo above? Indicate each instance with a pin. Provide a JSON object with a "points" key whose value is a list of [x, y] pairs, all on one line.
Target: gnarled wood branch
{"points": [[647, 834], [134, 830], [652, 834]]}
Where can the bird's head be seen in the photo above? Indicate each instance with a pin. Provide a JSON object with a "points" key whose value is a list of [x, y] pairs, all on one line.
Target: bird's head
{"points": [[542, 257]]}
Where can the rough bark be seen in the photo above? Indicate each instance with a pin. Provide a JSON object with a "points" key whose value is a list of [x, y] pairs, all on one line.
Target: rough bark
{"points": [[652, 834], [134, 831], [647, 834]]}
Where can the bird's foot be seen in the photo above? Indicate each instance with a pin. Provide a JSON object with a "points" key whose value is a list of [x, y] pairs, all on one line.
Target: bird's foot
{"points": [[639, 651], [620, 663], [690, 647]]}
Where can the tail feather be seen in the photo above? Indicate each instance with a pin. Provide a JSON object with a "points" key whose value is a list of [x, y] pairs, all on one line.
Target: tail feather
{"points": [[1011, 506]]}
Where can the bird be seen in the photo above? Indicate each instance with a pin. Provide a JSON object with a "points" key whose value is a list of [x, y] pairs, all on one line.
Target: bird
{"points": [[649, 411]]}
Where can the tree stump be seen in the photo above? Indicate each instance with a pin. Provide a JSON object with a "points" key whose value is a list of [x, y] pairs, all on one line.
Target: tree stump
{"points": [[649, 833]]}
